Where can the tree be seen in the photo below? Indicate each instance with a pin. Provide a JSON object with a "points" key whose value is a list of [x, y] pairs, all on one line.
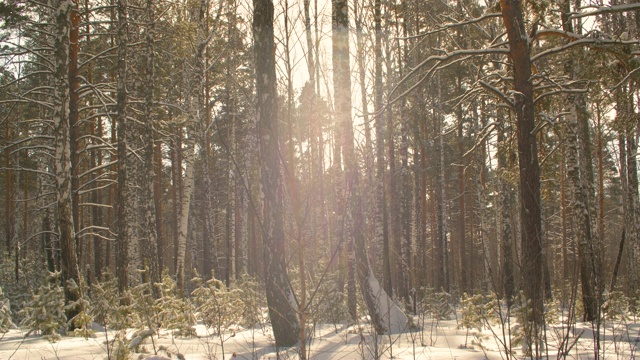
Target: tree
{"points": [[69, 264], [280, 299], [150, 236], [579, 165], [122, 243], [529, 172], [386, 316]]}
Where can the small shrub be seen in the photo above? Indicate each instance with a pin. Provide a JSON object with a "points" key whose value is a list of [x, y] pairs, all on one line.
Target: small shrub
{"points": [[332, 305], [218, 306], [45, 311], [438, 304], [18, 293], [253, 302], [82, 321], [5, 314], [472, 312], [616, 306], [108, 308], [174, 313]]}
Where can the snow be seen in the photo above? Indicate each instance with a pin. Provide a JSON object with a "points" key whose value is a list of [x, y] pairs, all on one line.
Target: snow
{"points": [[439, 339], [397, 320]]}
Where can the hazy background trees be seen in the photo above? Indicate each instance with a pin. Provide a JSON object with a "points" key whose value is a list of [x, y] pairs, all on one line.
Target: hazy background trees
{"points": [[130, 139]]}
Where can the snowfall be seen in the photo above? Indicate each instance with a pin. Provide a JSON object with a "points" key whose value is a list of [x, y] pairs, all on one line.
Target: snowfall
{"points": [[431, 339]]}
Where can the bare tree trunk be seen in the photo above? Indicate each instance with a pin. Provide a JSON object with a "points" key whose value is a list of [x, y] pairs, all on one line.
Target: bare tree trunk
{"points": [[461, 262], [150, 235], [578, 164], [403, 242], [480, 123], [157, 198], [385, 315], [210, 255], [176, 193], [96, 211], [280, 298], [505, 231], [185, 205], [368, 152], [9, 193], [381, 214], [442, 258], [122, 243], [61, 96], [74, 124], [530, 210], [632, 222]]}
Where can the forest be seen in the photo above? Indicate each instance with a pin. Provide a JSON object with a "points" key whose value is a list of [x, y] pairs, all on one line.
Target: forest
{"points": [[167, 164]]}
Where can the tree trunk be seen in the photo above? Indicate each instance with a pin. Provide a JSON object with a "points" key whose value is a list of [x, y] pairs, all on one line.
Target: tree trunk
{"points": [[385, 315], [632, 222], [62, 128], [210, 255], [506, 190], [461, 263], [157, 198], [530, 210], [185, 204], [176, 193], [442, 258], [578, 164], [96, 211], [150, 236], [381, 214], [9, 193], [74, 124], [280, 298], [122, 242]]}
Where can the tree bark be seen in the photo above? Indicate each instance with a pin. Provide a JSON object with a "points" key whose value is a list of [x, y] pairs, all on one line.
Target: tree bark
{"points": [[157, 198], [578, 164], [529, 172], [506, 190], [386, 316], [9, 193], [62, 128], [122, 242], [74, 124], [280, 298], [381, 214], [441, 249], [185, 205], [150, 235]]}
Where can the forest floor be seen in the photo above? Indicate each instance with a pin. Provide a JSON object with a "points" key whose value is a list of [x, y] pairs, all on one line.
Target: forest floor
{"points": [[439, 339]]}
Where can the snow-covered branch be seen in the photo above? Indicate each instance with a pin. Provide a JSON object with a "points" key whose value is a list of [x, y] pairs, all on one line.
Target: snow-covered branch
{"points": [[440, 62], [607, 9], [444, 27], [495, 91]]}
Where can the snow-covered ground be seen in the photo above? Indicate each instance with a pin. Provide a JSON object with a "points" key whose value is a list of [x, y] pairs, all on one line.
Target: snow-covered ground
{"points": [[437, 340]]}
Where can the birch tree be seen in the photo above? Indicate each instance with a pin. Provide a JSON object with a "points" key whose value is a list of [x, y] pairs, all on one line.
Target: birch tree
{"points": [[192, 82], [61, 97]]}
